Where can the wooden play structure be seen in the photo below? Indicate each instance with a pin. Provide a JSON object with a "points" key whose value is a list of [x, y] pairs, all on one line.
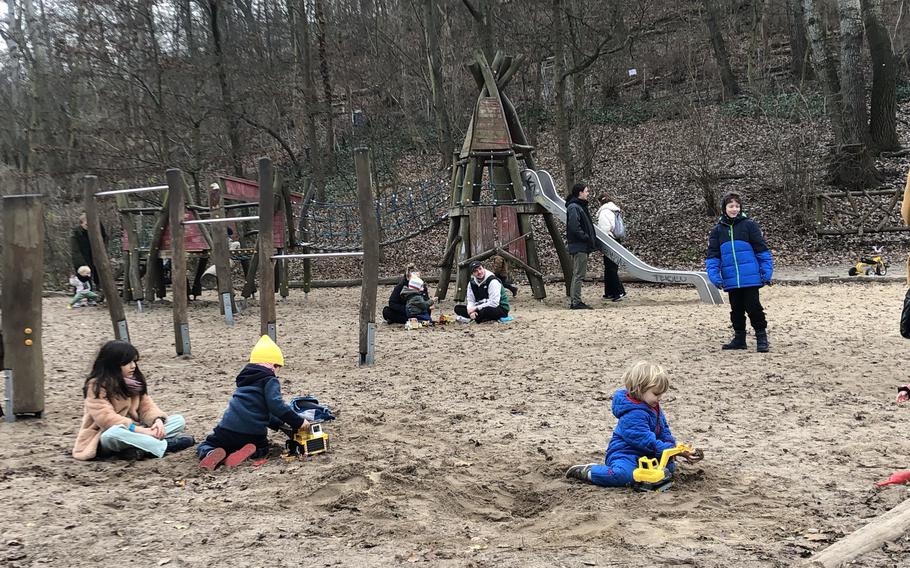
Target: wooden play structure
{"points": [[183, 229], [23, 282], [498, 220]]}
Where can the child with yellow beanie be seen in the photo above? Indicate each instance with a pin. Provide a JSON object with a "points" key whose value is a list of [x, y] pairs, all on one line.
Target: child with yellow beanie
{"points": [[254, 407]]}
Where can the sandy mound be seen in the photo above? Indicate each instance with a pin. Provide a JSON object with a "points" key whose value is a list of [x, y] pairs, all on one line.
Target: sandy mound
{"points": [[450, 450]]}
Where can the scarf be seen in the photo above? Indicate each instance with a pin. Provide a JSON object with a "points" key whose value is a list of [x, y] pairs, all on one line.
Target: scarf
{"points": [[133, 386]]}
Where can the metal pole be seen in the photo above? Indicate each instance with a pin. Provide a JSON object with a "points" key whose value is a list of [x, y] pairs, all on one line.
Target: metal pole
{"points": [[132, 190], [8, 396], [222, 220], [318, 255]]}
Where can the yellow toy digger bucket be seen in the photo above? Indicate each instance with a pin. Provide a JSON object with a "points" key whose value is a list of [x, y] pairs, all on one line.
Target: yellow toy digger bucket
{"points": [[649, 470]]}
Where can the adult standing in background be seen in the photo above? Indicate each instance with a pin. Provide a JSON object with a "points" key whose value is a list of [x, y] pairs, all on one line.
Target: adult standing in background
{"points": [[606, 220], [81, 248], [580, 239]]}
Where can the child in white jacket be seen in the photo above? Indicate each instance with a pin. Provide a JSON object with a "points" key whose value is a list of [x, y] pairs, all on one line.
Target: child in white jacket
{"points": [[606, 220], [82, 282]]}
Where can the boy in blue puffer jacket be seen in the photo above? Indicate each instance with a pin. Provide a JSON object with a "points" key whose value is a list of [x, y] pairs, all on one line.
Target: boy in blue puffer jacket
{"points": [[641, 430], [740, 262], [255, 406]]}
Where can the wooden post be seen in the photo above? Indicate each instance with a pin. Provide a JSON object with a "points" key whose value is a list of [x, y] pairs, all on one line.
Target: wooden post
{"points": [[370, 235], [221, 257], [176, 209], [887, 527], [102, 262], [266, 250], [131, 280], [23, 269], [152, 264]]}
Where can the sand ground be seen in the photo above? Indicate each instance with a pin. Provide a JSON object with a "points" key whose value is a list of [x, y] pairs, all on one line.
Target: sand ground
{"points": [[450, 451]]}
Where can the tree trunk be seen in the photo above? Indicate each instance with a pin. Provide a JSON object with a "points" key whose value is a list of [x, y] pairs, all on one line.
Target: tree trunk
{"points": [[227, 101], [580, 120], [562, 115], [799, 45], [305, 76], [883, 107], [326, 82], [727, 78], [855, 167], [824, 68], [482, 17], [434, 59]]}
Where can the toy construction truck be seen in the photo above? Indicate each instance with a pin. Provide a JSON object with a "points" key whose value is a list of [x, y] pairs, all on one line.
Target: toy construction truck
{"points": [[651, 475], [308, 442]]}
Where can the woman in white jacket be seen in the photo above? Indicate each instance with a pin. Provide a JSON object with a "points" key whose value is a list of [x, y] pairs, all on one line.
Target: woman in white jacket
{"points": [[606, 220]]}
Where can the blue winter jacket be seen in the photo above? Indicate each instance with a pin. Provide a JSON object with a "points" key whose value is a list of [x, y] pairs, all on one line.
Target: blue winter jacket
{"points": [[641, 430], [257, 404], [737, 254]]}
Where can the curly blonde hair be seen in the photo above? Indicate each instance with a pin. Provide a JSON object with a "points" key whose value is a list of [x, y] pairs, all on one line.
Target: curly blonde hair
{"points": [[499, 266], [643, 376]]}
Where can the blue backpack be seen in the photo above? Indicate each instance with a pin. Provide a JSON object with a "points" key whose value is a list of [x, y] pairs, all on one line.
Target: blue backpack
{"points": [[310, 409]]}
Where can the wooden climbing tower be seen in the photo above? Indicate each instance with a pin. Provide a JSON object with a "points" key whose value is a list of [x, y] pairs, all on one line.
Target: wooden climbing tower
{"points": [[491, 211]]}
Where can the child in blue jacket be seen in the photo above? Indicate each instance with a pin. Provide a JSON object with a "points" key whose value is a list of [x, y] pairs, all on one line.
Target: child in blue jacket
{"points": [[641, 430], [740, 262], [255, 407]]}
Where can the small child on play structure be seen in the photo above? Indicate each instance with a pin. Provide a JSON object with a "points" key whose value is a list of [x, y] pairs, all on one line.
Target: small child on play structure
{"points": [[500, 268], [739, 262], [82, 283], [641, 430], [416, 298], [255, 406]]}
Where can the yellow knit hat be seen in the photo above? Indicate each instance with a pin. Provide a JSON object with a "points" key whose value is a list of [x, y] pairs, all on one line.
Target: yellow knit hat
{"points": [[266, 351]]}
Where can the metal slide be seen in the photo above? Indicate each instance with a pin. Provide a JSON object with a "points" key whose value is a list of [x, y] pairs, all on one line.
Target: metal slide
{"points": [[539, 185]]}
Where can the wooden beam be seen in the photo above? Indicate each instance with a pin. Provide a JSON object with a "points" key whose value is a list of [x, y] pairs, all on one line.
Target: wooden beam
{"points": [[101, 260], [132, 283], [176, 211], [370, 236], [23, 269], [221, 258], [267, 317], [514, 259], [890, 526]]}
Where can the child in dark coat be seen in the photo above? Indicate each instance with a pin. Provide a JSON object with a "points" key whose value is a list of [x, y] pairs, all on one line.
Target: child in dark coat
{"points": [[417, 298], [255, 406], [739, 262], [641, 430]]}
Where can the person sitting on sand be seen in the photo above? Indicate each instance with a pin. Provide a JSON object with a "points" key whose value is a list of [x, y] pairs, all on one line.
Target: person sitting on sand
{"points": [[641, 430], [417, 298], [500, 268], [396, 311], [120, 417], [255, 406], [486, 299]]}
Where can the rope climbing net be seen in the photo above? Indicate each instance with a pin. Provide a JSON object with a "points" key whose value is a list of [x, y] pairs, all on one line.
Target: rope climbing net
{"points": [[404, 213]]}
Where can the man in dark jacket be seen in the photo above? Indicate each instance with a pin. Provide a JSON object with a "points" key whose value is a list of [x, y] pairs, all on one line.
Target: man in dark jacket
{"points": [[580, 239]]}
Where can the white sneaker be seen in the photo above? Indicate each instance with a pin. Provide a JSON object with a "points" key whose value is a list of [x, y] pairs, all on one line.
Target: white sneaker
{"points": [[462, 319]]}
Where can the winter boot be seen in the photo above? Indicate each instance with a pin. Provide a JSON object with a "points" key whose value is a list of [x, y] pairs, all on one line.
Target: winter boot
{"points": [[738, 341], [761, 341]]}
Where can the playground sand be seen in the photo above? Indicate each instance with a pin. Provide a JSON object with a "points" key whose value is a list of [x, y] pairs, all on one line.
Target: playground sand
{"points": [[450, 451]]}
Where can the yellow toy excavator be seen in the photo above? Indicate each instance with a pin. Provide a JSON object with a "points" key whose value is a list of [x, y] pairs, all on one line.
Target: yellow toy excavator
{"points": [[652, 475]]}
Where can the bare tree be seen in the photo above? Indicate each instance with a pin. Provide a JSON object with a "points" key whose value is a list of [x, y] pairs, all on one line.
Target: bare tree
{"points": [[728, 79], [883, 105], [227, 100], [434, 61]]}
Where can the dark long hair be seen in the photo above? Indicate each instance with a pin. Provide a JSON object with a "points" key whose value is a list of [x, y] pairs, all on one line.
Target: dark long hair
{"points": [[576, 190], [107, 373]]}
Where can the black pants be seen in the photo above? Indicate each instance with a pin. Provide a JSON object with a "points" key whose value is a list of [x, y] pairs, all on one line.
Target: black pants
{"points": [[745, 301], [613, 288], [395, 314], [483, 314], [232, 441]]}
